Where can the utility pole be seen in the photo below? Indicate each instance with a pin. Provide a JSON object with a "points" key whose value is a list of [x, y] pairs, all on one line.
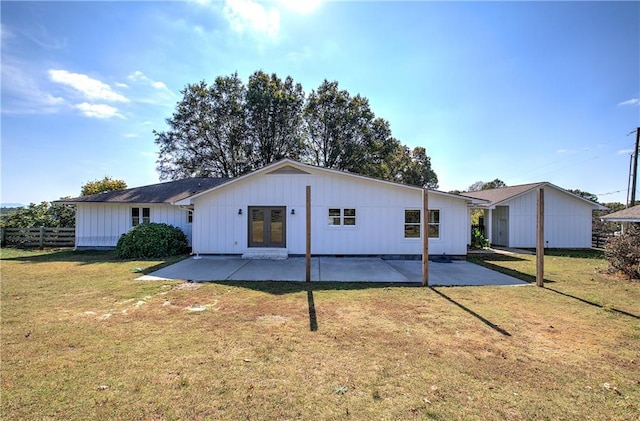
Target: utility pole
{"points": [[634, 179]]}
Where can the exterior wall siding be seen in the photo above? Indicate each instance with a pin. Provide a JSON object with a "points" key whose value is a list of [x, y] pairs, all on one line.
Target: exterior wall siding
{"points": [[102, 224], [567, 220], [379, 228]]}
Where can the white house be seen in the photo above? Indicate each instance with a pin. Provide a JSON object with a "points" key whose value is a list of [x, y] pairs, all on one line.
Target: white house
{"points": [[263, 212], [510, 216], [102, 218]]}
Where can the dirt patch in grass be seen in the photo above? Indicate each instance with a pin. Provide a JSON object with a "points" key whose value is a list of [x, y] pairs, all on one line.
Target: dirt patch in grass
{"points": [[319, 351]]}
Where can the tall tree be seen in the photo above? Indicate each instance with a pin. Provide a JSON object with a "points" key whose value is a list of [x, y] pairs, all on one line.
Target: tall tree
{"points": [[487, 185], [207, 133], [417, 170], [227, 129], [44, 214], [101, 186], [584, 194], [326, 115], [274, 118]]}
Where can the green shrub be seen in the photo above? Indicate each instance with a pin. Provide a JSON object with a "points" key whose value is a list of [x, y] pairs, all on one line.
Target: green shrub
{"points": [[151, 240], [623, 252], [478, 240]]}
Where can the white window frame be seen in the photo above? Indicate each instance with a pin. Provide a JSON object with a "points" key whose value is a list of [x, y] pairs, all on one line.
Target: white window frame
{"points": [[420, 223], [342, 217], [405, 223], [435, 224], [141, 219]]}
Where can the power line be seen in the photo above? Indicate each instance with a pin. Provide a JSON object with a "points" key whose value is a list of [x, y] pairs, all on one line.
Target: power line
{"points": [[611, 192]]}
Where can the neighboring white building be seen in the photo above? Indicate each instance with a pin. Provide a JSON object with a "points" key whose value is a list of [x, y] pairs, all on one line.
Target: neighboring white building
{"points": [[510, 216], [264, 212]]}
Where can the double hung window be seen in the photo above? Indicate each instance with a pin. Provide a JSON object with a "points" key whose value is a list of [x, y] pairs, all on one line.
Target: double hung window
{"points": [[342, 217]]}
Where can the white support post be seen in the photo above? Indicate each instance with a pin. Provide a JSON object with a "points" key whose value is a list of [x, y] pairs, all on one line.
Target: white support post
{"points": [[488, 225]]}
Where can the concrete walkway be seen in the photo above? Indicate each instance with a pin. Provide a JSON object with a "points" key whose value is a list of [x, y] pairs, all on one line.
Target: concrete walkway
{"points": [[330, 269]]}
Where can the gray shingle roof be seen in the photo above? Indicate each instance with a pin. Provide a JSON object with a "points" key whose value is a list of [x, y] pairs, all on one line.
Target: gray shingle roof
{"points": [[168, 192], [497, 196], [631, 214], [501, 194]]}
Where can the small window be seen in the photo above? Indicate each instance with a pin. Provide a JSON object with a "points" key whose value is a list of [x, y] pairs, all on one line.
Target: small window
{"points": [[334, 216], [135, 216], [434, 224], [350, 217], [146, 215], [189, 217], [140, 215], [342, 217], [412, 223]]}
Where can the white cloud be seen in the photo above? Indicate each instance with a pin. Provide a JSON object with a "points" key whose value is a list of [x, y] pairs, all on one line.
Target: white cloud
{"points": [[632, 101], [149, 91], [301, 6], [138, 76], [626, 151], [298, 56], [248, 15], [159, 85], [121, 85], [21, 90], [98, 110], [92, 89], [5, 33]]}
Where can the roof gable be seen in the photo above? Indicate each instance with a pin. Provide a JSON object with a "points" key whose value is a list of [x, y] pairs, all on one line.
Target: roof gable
{"points": [[501, 195], [289, 166]]}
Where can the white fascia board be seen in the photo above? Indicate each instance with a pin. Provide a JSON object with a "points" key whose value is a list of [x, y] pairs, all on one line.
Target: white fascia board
{"points": [[286, 161]]}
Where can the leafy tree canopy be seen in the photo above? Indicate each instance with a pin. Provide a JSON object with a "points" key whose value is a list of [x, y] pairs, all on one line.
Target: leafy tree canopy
{"points": [[227, 129], [44, 214], [585, 194], [101, 186], [482, 185]]}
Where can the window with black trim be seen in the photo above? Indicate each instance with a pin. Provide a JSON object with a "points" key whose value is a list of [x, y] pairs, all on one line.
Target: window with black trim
{"points": [[342, 217], [412, 223], [434, 223], [140, 216]]}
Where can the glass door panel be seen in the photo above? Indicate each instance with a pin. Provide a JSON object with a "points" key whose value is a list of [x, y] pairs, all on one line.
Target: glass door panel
{"points": [[277, 226], [257, 226], [267, 226]]}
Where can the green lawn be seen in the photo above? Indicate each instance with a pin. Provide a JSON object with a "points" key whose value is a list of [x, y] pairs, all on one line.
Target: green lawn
{"points": [[81, 340]]}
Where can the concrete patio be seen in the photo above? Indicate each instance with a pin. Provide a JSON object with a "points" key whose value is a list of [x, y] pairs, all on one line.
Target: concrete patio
{"points": [[330, 269]]}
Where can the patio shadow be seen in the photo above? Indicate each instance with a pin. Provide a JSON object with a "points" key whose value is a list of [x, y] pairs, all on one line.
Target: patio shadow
{"points": [[473, 313], [511, 272], [313, 320], [615, 310]]}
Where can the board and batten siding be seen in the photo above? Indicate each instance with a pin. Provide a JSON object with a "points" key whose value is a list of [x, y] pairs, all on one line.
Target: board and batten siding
{"points": [[567, 220], [101, 224], [379, 228]]}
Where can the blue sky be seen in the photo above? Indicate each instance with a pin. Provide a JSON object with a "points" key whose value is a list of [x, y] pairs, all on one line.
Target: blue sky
{"points": [[521, 91]]}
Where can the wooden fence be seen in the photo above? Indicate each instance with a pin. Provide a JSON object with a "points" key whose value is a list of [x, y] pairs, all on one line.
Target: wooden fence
{"points": [[38, 237], [599, 238]]}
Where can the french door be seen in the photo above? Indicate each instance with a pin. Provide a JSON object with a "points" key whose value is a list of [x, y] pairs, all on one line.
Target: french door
{"points": [[267, 226]]}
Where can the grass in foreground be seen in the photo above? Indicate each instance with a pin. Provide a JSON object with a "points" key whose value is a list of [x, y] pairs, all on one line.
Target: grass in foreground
{"points": [[82, 340]]}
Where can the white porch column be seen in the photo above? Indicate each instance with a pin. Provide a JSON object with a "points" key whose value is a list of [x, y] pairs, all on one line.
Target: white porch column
{"points": [[488, 225]]}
